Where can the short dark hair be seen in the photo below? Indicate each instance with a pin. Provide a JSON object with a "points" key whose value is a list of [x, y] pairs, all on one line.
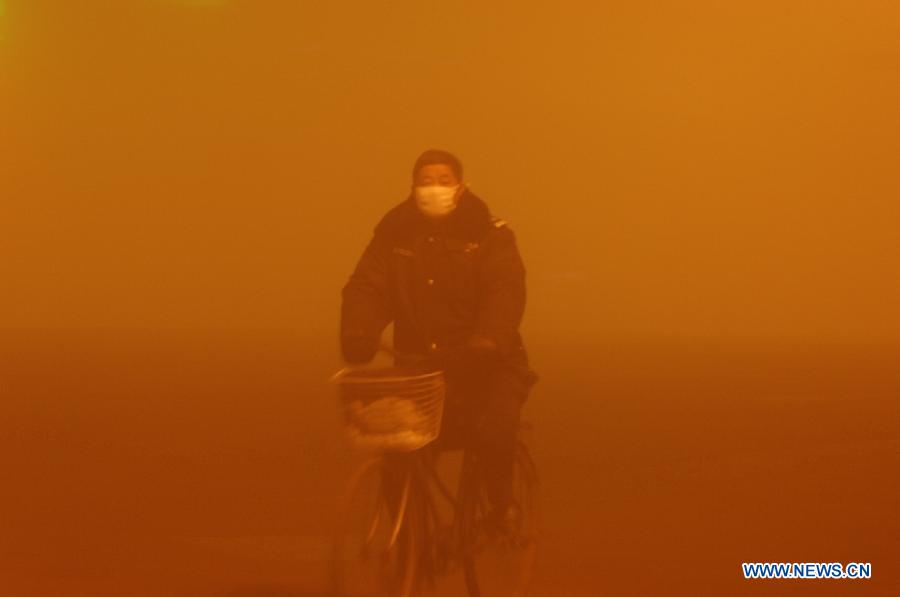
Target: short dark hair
{"points": [[438, 156]]}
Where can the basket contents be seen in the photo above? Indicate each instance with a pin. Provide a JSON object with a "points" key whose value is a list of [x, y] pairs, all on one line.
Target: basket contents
{"points": [[387, 415]]}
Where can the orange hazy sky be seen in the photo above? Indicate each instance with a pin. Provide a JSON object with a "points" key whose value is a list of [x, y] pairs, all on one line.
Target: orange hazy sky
{"points": [[699, 168]]}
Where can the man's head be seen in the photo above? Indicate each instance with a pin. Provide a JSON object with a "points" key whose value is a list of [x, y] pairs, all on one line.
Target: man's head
{"points": [[436, 157], [437, 182]]}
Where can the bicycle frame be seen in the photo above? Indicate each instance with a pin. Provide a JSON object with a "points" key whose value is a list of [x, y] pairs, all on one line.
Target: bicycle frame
{"points": [[441, 524]]}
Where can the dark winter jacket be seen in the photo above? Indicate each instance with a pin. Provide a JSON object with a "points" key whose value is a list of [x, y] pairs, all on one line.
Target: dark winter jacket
{"points": [[447, 283]]}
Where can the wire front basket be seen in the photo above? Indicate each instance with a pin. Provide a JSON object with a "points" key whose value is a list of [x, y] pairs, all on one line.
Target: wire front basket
{"points": [[391, 410]]}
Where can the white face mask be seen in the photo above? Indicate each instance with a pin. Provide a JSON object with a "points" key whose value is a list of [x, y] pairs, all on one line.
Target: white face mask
{"points": [[436, 201]]}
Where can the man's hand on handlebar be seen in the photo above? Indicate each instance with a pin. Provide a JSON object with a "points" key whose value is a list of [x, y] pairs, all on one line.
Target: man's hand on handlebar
{"points": [[477, 356], [358, 349]]}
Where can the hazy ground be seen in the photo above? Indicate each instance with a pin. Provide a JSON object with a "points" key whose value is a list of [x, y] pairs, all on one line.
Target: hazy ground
{"points": [[207, 466]]}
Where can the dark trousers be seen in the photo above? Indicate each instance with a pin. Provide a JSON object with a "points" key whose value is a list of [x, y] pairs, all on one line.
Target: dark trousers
{"points": [[481, 413]]}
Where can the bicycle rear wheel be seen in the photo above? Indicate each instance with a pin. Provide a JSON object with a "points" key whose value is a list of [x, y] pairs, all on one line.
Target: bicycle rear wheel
{"points": [[500, 563], [375, 549]]}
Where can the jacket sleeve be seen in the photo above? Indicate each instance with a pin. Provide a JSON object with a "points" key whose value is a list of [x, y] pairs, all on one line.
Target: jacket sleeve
{"points": [[366, 308], [501, 302]]}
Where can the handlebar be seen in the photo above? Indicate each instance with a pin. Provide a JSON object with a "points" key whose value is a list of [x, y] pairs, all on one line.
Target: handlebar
{"points": [[442, 359], [401, 359]]}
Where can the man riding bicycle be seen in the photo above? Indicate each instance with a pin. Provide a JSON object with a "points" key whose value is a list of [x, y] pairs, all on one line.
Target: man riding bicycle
{"points": [[450, 278]]}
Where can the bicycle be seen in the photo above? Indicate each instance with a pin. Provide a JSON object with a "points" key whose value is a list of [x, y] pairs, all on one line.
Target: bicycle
{"points": [[402, 530]]}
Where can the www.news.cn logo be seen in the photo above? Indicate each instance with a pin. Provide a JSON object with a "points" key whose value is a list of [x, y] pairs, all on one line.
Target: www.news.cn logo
{"points": [[806, 570]]}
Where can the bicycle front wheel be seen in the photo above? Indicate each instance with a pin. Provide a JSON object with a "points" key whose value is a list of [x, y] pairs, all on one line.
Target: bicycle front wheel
{"points": [[375, 550]]}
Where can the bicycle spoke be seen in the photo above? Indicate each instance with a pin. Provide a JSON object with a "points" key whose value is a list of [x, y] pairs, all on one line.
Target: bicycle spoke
{"points": [[373, 556]]}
